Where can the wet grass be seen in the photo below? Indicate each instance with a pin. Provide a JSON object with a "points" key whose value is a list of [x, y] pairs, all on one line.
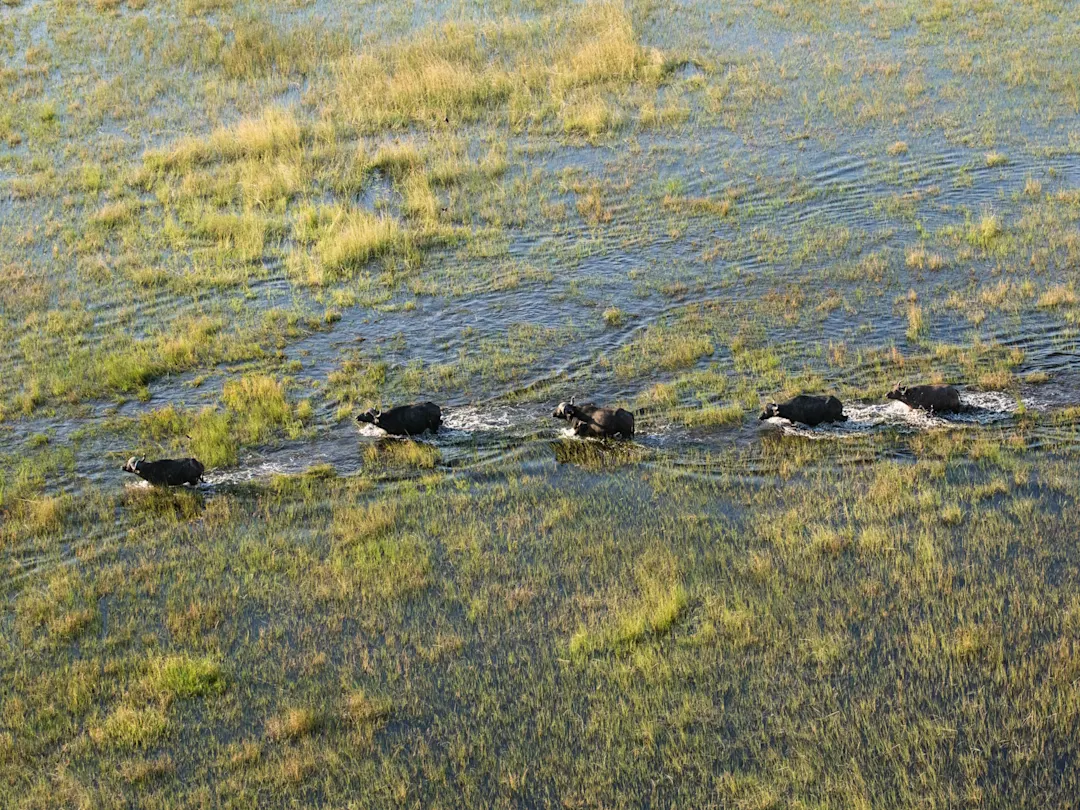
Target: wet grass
{"points": [[279, 185], [356, 237], [226, 226], [691, 608], [255, 410]]}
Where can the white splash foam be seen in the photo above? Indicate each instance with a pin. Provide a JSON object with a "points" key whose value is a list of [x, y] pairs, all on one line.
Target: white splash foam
{"points": [[369, 430], [246, 474], [987, 407], [470, 419], [998, 402]]}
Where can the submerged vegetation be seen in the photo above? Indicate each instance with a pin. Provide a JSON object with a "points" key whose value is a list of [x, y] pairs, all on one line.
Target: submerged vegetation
{"points": [[226, 227], [453, 614]]}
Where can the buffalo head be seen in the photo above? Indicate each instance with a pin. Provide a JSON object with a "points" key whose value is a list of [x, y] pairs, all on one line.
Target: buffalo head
{"points": [[565, 410], [898, 392], [371, 416]]}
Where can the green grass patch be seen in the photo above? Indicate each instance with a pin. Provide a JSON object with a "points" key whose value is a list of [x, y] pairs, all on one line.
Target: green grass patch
{"points": [[180, 676], [127, 727], [258, 405], [355, 238]]}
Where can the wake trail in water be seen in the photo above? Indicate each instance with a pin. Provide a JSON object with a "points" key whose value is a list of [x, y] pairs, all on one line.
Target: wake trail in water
{"points": [[476, 436], [984, 408]]}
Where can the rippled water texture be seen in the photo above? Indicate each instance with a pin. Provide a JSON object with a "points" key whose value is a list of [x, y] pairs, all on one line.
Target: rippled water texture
{"points": [[843, 152]]}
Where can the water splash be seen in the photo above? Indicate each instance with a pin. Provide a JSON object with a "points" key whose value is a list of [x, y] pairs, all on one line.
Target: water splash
{"points": [[268, 469], [472, 419], [985, 408]]}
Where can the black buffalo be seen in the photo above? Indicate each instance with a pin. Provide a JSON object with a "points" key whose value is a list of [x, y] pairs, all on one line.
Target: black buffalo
{"points": [[588, 419], [808, 409], [935, 398], [405, 420], [171, 472]]}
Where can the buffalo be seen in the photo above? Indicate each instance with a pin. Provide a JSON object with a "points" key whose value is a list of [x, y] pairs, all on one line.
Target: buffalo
{"points": [[171, 472], [933, 398], [588, 419], [808, 409], [405, 420]]}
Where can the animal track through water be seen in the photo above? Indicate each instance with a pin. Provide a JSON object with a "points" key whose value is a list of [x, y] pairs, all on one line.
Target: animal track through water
{"points": [[986, 408], [473, 436]]}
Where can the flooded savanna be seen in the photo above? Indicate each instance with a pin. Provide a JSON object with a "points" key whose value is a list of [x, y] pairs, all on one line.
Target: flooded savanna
{"points": [[230, 228]]}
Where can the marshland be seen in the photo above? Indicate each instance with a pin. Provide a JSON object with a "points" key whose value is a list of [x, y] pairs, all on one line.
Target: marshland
{"points": [[228, 227]]}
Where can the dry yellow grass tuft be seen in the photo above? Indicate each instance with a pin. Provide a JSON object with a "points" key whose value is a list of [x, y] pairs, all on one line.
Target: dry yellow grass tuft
{"points": [[1059, 295], [605, 48], [114, 214], [457, 72], [356, 237], [420, 82], [274, 132], [292, 724], [590, 115], [44, 513]]}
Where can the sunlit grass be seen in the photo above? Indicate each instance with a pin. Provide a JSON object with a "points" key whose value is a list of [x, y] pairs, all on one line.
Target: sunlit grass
{"points": [[613, 316], [455, 73], [711, 416], [128, 727], [114, 214], [720, 596], [43, 514], [420, 82], [293, 724], [394, 453], [661, 605], [663, 348], [476, 211], [918, 258], [258, 404], [356, 237], [183, 677], [590, 115], [916, 322], [419, 201], [212, 441], [983, 233], [397, 158], [245, 234], [274, 132], [1058, 296]]}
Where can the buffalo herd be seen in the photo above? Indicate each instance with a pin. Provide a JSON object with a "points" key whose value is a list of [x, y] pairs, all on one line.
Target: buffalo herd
{"points": [[586, 420]]}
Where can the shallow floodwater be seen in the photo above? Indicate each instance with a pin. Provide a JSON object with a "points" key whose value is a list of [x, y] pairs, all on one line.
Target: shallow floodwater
{"points": [[777, 197], [817, 186]]}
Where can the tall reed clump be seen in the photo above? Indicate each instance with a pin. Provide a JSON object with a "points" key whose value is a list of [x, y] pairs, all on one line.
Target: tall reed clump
{"points": [[357, 237], [272, 133], [444, 72], [460, 72], [212, 441], [258, 404]]}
